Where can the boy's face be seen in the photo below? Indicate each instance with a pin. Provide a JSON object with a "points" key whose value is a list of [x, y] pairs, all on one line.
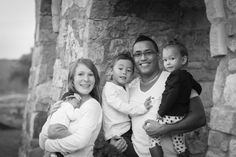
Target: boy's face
{"points": [[172, 59], [122, 72]]}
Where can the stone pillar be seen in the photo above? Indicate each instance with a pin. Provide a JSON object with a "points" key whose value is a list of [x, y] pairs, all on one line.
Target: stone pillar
{"points": [[41, 72], [221, 141]]}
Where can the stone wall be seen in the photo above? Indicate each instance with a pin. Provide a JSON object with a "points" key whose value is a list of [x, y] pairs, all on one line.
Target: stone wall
{"points": [[98, 29], [222, 136]]}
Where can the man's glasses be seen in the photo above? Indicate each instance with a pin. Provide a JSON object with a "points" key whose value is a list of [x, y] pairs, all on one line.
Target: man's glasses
{"points": [[145, 54]]}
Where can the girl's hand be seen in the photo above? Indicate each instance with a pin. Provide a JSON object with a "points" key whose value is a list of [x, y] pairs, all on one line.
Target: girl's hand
{"points": [[147, 103]]}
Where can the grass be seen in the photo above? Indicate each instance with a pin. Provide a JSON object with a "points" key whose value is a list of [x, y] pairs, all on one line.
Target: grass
{"points": [[10, 142]]}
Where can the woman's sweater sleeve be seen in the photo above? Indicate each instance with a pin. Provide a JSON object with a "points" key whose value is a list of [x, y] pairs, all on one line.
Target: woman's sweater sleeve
{"points": [[79, 139], [115, 100]]}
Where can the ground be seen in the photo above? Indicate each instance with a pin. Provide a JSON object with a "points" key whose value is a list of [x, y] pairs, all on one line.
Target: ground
{"points": [[10, 141]]}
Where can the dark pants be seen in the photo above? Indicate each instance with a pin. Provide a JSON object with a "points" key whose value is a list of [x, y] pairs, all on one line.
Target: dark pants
{"points": [[129, 152]]}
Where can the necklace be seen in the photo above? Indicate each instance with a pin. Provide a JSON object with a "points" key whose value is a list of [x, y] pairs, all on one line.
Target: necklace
{"points": [[152, 80]]}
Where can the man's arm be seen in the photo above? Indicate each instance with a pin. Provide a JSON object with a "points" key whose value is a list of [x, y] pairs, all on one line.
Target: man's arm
{"points": [[195, 119]]}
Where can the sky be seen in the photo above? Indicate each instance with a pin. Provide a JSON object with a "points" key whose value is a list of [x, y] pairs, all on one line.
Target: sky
{"points": [[17, 26]]}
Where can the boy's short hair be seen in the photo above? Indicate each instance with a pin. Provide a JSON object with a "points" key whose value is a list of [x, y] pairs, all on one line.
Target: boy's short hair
{"points": [[125, 55], [146, 38]]}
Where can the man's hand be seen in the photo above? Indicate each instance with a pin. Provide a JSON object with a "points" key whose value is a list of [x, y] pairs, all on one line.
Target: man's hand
{"points": [[153, 128], [119, 143]]}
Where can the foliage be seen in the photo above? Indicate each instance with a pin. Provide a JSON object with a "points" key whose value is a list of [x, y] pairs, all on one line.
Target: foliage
{"points": [[22, 71]]}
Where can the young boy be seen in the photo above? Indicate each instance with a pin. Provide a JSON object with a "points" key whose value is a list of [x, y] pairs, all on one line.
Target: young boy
{"points": [[116, 105]]}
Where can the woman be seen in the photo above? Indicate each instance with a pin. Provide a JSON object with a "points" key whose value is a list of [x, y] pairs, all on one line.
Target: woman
{"points": [[83, 79]]}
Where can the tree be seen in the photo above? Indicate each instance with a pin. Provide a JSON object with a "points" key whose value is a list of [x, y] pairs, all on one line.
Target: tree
{"points": [[23, 70]]}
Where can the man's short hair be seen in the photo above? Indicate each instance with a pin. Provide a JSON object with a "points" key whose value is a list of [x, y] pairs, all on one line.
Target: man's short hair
{"points": [[146, 38]]}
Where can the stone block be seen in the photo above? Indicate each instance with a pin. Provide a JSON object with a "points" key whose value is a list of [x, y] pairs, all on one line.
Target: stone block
{"points": [[231, 26], [45, 7], [231, 4], [56, 7], [215, 10], [73, 47], [232, 147], [42, 74], [55, 23], [96, 13], [97, 29], [218, 140], [215, 153], [36, 55], [220, 77], [43, 91], [96, 52], [200, 75], [194, 65], [45, 35], [118, 45], [56, 93], [232, 64], [223, 119], [230, 90], [81, 3], [231, 43], [218, 40], [45, 22], [206, 95], [59, 75], [66, 5]]}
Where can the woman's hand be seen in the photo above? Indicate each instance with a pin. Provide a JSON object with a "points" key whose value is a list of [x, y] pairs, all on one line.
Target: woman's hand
{"points": [[119, 143], [153, 128], [54, 107]]}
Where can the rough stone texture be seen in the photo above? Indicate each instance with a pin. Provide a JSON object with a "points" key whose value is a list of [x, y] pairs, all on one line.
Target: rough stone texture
{"points": [[232, 147], [220, 77], [231, 26], [231, 4], [232, 65], [218, 140], [223, 119], [215, 153], [232, 44], [218, 40], [230, 87], [215, 10]]}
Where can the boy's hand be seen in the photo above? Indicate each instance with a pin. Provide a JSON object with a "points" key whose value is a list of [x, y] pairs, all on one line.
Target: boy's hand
{"points": [[147, 103], [119, 143]]}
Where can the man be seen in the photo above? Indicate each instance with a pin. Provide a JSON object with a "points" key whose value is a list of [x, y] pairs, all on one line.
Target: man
{"points": [[152, 83]]}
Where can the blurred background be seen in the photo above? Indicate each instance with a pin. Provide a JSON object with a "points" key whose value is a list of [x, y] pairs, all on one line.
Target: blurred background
{"points": [[17, 24]]}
